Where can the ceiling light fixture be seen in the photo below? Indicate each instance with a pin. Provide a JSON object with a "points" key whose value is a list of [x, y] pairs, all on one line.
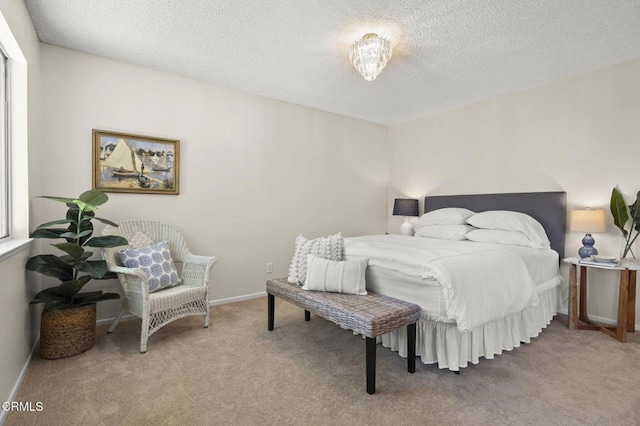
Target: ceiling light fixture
{"points": [[370, 55]]}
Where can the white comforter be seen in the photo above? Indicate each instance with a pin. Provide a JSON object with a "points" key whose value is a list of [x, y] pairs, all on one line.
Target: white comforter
{"points": [[480, 282]]}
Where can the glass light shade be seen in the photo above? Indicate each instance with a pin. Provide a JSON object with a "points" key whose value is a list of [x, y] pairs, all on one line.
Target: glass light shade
{"points": [[588, 221], [370, 55]]}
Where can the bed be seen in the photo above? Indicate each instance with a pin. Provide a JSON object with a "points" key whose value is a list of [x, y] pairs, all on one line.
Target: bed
{"points": [[452, 332]]}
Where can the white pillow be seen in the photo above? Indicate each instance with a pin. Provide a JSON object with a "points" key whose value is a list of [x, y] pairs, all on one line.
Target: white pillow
{"points": [[444, 232], [511, 221], [347, 276], [498, 236], [446, 216], [155, 261], [139, 239], [327, 247]]}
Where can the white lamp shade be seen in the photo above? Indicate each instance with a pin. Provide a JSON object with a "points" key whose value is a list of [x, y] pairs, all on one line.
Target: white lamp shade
{"points": [[588, 221]]}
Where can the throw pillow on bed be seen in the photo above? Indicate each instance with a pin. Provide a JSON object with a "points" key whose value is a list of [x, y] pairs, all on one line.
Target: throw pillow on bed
{"points": [[498, 236], [511, 221], [444, 232], [155, 261], [347, 276], [446, 216], [326, 247]]}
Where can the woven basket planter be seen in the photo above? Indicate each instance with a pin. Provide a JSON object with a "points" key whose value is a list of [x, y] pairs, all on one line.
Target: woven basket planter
{"points": [[67, 332]]}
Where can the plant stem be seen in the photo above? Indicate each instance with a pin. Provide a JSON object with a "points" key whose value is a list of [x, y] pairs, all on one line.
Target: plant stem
{"points": [[77, 239], [630, 244]]}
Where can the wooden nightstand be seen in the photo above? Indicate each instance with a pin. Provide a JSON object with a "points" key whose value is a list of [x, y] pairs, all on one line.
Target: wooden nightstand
{"points": [[578, 319]]}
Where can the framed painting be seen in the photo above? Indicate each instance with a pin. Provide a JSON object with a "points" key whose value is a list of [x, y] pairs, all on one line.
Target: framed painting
{"points": [[132, 163]]}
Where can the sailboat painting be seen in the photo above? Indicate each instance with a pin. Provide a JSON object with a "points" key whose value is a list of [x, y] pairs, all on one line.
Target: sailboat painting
{"points": [[132, 163]]}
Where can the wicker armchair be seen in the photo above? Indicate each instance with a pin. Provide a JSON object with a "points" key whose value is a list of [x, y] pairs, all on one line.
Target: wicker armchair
{"points": [[161, 307]]}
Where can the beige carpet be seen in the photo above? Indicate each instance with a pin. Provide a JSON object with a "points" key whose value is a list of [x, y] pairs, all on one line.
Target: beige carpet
{"points": [[238, 373]]}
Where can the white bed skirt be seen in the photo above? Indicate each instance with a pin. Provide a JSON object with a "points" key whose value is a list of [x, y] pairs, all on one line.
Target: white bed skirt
{"points": [[442, 343]]}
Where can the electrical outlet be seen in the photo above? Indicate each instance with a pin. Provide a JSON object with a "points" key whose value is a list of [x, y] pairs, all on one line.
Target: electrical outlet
{"points": [[269, 267]]}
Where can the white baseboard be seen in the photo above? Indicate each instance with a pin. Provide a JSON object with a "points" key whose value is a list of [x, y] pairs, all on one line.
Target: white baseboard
{"points": [[237, 298], [14, 391], [607, 321], [225, 301]]}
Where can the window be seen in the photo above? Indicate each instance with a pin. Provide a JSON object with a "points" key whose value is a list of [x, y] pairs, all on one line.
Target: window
{"points": [[4, 148], [14, 150]]}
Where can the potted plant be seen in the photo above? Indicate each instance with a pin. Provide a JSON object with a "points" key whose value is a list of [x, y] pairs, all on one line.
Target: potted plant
{"points": [[623, 214], [68, 322]]}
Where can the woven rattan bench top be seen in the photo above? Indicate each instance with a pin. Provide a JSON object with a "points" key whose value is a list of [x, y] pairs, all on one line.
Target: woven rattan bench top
{"points": [[370, 315]]}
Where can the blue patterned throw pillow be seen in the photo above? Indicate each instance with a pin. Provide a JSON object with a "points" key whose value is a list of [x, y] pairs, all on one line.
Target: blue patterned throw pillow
{"points": [[155, 260]]}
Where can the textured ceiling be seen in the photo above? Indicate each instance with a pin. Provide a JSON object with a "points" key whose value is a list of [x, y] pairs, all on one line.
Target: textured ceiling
{"points": [[446, 52]]}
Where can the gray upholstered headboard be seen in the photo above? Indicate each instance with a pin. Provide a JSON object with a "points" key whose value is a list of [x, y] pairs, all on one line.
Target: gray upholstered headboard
{"points": [[548, 208]]}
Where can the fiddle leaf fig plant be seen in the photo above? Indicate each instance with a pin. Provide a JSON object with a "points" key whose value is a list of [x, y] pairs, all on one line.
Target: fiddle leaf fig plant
{"points": [[73, 268], [623, 214]]}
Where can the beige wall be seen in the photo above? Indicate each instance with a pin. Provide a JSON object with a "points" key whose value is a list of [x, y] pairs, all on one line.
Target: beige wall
{"points": [[580, 135], [19, 320], [255, 172]]}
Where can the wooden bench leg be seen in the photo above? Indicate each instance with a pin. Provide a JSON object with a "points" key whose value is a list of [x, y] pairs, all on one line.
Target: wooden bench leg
{"points": [[411, 348], [371, 365], [270, 310], [307, 315]]}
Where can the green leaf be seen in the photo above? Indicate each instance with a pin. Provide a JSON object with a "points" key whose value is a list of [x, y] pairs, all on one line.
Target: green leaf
{"points": [[83, 206], [107, 241], [53, 298], [51, 233], [61, 306], [74, 250], [108, 276], [48, 299], [56, 293], [619, 210], [55, 222], [105, 221], [60, 199], [74, 286], [51, 266], [74, 236], [93, 197], [635, 212], [94, 268]]}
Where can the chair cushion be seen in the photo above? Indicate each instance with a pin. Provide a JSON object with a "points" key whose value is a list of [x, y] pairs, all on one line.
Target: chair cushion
{"points": [[176, 296], [155, 260]]}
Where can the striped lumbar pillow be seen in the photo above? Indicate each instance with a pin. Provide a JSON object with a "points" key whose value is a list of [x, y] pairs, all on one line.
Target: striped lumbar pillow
{"points": [[346, 276]]}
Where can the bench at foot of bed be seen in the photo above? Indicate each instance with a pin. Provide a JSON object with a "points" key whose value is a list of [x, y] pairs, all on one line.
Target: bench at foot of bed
{"points": [[371, 316]]}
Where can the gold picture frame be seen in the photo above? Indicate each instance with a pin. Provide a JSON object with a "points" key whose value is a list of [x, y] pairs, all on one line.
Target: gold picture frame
{"points": [[124, 162]]}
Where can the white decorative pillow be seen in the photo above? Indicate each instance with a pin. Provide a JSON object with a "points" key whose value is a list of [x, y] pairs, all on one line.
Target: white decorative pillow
{"points": [[327, 247], [446, 216], [139, 239], [511, 221], [155, 260], [444, 232], [498, 236], [347, 276]]}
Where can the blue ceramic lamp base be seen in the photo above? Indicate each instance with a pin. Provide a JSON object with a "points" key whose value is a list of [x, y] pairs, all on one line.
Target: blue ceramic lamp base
{"points": [[587, 248]]}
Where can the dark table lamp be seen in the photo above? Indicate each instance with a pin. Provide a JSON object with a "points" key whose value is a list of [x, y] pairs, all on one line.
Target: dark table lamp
{"points": [[406, 207]]}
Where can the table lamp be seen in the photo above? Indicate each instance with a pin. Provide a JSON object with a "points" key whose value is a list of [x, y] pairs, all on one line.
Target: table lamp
{"points": [[588, 221], [405, 207]]}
